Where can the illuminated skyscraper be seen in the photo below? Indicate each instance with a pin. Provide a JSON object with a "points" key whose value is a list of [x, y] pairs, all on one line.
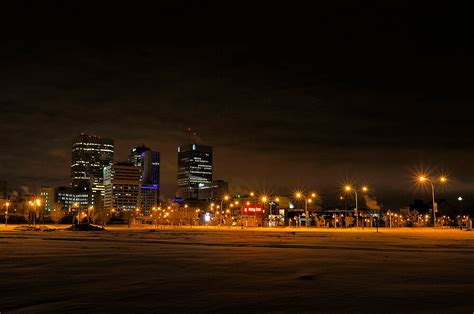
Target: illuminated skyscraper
{"points": [[149, 163], [194, 170], [90, 154], [122, 184]]}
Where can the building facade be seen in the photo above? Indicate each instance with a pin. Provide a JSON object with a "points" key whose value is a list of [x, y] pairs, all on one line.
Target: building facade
{"points": [[149, 163], [194, 170], [216, 190], [72, 198], [121, 186], [90, 154], [48, 194]]}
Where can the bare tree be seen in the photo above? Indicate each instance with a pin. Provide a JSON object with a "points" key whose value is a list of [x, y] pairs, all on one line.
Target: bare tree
{"points": [[29, 213], [321, 222], [100, 216], [413, 216], [57, 214], [349, 221]]}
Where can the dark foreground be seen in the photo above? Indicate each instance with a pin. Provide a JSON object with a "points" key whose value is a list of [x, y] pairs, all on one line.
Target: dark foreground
{"points": [[237, 271]]}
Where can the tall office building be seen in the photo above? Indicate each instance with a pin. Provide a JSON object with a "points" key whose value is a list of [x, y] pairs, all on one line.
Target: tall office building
{"points": [[149, 163], [90, 154], [122, 185], [194, 170]]}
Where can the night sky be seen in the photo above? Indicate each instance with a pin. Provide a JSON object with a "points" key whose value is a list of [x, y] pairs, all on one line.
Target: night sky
{"points": [[288, 96]]}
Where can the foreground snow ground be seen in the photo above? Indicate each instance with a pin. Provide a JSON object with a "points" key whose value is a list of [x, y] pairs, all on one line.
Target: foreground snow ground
{"points": [[233, 270]]}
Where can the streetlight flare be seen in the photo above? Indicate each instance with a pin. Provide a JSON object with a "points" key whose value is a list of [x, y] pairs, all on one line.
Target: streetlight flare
{"points": [[347, 188], [422, 178]]}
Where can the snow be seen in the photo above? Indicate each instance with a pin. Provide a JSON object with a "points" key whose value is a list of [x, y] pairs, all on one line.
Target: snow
{"points": [[234, 270]]}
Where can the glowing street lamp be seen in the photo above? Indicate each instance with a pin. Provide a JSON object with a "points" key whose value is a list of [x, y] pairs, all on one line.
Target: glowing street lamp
{"points": [[225, 198], [7, 204], [348, 189], [307, 200], [423, 179], [460, 211]]}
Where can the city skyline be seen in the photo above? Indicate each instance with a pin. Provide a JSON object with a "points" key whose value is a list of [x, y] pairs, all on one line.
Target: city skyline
{"points": [[341, 94], [177, 157], [330, 197]]}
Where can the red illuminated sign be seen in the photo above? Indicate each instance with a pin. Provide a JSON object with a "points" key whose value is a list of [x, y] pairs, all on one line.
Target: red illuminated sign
{"points": [[252, 210]]}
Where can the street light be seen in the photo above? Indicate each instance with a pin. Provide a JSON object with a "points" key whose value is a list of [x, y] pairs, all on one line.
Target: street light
{"points": [[460, 211], [422, 179], [226, 198], [307, 200], [7, 204], [349, 188], [37, 204]]}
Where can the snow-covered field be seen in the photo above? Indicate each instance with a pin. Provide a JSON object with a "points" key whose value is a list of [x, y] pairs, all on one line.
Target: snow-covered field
{"points": [[222, 270]]}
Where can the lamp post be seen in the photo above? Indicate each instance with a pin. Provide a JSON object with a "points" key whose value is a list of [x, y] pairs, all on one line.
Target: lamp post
{"points": [[460, 211], [89, 209], [225, 198], [307, 200], [424, 179], [7, 204], [348, 189], [37, 204], [76, 205], [263, 201]]}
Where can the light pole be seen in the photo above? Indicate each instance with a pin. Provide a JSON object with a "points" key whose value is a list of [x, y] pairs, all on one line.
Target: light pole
{"points": [[460, 211], [307, 200], [76, 205], [7, 204], [349, 188], [424, 179], [225, 198], [89, 210], [37, 204], [263, 200]]}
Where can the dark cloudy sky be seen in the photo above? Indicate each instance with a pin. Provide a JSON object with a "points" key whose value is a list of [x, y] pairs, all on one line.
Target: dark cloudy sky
{"points": [[288, 96]]}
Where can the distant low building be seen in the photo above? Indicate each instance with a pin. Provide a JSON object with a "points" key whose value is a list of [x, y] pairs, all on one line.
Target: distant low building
{"points": [[72, 198], [215, 190], [48, 194]]}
